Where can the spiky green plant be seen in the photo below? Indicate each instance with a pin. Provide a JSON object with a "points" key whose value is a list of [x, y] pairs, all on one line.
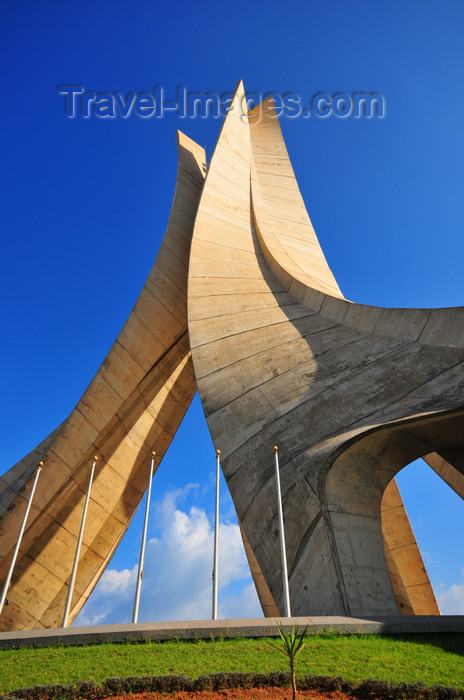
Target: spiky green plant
{"points": [[292, 645]]}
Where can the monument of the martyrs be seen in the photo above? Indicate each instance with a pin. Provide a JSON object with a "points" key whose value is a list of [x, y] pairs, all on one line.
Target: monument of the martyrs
{"points": [[241, 304]]}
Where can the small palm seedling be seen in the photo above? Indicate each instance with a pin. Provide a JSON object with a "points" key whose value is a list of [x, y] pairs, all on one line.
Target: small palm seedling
{"points": [[292, 645]]}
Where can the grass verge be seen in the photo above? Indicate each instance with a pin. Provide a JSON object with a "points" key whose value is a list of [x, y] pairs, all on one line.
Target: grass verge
{"points": [[432, 659]]}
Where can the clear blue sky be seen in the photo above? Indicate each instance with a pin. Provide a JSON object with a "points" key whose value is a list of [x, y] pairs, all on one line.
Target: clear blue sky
{"points": [[84, 205]]}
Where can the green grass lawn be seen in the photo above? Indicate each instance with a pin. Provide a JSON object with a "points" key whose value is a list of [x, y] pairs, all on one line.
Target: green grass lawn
{"points": [[433, 659]]}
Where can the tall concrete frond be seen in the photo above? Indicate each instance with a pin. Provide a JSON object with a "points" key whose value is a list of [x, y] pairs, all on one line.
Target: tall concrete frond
{"points": [[134, 405], [350, 393]]}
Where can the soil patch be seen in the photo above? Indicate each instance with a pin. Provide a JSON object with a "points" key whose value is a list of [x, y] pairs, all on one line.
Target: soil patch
{"points": [[239, 694]]}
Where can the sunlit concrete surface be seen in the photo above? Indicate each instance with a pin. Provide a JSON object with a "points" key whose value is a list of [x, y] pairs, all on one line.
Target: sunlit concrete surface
{"points": [[242, 304]]}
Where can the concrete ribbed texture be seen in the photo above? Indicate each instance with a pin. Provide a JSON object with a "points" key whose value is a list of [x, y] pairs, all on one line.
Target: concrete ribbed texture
{"points": [[242, 304]]}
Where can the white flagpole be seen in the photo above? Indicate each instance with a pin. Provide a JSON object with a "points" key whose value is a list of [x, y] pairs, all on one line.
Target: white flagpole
{"points": [[78, 548], [18, 541], [216, 539], [135, 614], [282, 536]]}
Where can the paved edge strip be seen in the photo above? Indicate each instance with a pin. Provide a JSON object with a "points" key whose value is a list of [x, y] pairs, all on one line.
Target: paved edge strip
{"points": [[210, 629]]}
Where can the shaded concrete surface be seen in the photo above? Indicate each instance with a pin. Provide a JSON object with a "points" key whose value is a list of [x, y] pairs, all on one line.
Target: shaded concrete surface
{"points": [[254, 627], [349, 393]]}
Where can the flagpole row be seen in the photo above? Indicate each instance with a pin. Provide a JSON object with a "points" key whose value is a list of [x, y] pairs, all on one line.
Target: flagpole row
{"points": [[216, 538], [18, 541], [282, 536], [78, 548], [135, 614]]}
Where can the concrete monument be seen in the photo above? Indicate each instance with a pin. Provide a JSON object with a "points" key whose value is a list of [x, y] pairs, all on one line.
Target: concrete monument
{"points": [[242, 304]]}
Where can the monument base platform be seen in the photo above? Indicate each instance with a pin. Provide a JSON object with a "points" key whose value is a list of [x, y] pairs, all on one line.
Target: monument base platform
{"points": [[254, 627]]}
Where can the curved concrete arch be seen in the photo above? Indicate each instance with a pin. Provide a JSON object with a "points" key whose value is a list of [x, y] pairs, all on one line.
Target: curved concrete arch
{"points": [[291, 248], [355, 485], [133, 405]]}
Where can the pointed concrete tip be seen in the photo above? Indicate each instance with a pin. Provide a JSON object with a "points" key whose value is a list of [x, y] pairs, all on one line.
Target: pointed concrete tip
{"points": [[240, 87], [238, 105], [183, 138], [268, 102], [187, 142], [265, 109]]}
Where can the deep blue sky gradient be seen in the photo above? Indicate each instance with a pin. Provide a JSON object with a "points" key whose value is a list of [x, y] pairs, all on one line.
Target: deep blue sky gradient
{"points": [[84, 202]]}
